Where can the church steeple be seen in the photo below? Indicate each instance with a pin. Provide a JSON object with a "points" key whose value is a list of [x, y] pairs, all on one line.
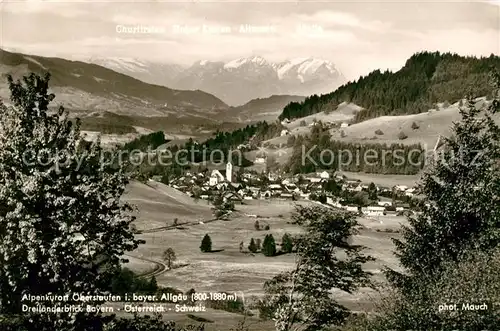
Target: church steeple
{"points": [[229, 171]]}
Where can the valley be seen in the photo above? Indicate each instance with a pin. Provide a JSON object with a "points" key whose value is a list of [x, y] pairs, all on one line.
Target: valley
{"points": [[227, 269]]}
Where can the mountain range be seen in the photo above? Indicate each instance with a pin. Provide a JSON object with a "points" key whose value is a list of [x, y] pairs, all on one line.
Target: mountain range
{"points": [[238, 81]]}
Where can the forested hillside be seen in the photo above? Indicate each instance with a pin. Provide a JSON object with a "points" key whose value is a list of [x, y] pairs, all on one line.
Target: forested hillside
{"points": [[425, 79], [318, 151]]}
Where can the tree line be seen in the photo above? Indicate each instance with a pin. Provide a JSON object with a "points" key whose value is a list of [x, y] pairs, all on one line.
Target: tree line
{"points": [[319, 151]]}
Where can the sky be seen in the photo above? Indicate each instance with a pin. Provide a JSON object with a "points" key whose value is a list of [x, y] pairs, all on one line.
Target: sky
{"points": [[358, 36]]}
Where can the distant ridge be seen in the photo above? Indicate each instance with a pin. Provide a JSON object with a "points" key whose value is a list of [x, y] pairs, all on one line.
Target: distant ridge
{"points": [[92, 87]]}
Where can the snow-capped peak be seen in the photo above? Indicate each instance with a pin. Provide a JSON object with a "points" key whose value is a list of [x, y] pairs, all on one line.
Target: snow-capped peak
{"points": [[120, 63], [304, 66], [239, 62]]}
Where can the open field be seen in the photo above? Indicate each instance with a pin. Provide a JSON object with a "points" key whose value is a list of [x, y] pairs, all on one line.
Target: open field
{"points": [[381, 179], [158, 205], [227, 269]]}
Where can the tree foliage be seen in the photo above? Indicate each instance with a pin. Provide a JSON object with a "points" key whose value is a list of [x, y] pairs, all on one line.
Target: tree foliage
{"points": [[309, 155], [461, 204], [206, 244], [169, 257], [300, 299], [152, 141], [269, 245], [252, 247], [63, 228], [286, 243], [222, 206]]}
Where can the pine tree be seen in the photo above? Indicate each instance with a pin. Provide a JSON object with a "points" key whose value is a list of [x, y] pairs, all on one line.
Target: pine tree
{"points": [[461, 208], [206, 244], [286, 243], [269, 245], [63, 227], [252, 247]]}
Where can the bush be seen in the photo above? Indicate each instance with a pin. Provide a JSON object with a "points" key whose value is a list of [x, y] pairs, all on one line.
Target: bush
{"points": [[206, 244], [232, 306], [126, 281], [343, 134], [199, 318], [252, 247], [286, 243], [402, 136], [256, 225], [474, 279], [379, 132], [414, 126], [303, 123], [267, 227]]}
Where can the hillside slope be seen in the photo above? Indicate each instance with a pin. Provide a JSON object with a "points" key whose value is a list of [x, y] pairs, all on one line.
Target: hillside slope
{"points": [[425, 79], [431, 125], [261, 109], [159, 204], [90, 87]]}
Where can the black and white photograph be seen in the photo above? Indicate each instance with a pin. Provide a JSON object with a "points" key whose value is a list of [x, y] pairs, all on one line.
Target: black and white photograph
{"points": [[271, 165]]}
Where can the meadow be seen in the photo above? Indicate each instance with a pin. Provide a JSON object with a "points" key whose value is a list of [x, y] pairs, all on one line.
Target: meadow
{"points": [[226, 269]]}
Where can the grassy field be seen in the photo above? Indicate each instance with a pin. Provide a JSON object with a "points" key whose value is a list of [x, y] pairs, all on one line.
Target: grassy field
{"points": [[381, 179], [227, 269]]}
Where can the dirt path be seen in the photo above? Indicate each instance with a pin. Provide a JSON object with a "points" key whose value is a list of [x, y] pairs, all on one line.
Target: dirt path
{"points": [[158, 270]]}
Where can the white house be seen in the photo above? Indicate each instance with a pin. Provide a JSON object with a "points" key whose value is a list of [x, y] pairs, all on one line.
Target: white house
{"points": [[215, 178], [384, 203], [353, 209], [409, 192], [401, 187], [260, 160], [373, 210], [284, 132], [344, 125], [358, 188], [324, 175], [275, 187], [272, 177]]}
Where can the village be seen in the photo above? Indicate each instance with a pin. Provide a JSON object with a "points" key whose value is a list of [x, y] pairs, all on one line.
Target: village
{"points": [[242, 186]]}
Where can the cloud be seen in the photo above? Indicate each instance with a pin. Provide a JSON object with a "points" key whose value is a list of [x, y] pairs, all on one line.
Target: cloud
{"points": [[329, 18]]}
